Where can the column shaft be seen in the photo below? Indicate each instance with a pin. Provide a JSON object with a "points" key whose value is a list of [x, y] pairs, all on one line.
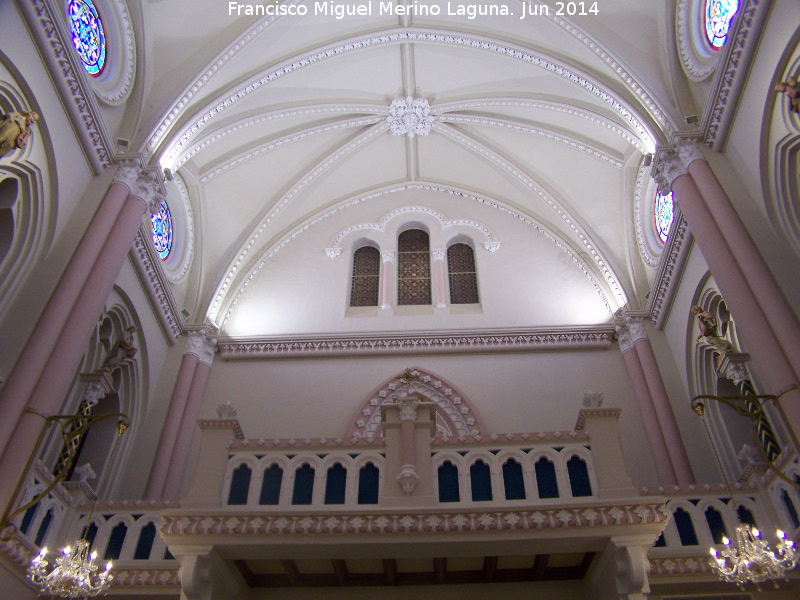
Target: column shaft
{"points": [[439, 278], [663, 409], [183, 441], [31, 362], [777, 310], [658, 445], [388, 280], [407, 445], [63, 361], [172, 423], [751, 323]]}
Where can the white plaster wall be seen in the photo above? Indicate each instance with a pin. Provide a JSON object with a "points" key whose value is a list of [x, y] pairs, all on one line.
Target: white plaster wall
{"points": [[512, 392]]}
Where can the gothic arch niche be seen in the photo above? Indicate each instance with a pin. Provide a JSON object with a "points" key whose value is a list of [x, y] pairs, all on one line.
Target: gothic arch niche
{"points": [[455, 416], [729, 431], [122, 391], [27, 207]]}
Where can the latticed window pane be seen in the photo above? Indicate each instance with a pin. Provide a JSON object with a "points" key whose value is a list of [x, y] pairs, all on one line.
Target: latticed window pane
{"points": [[461, 270], [366, 272], [413, 268]]}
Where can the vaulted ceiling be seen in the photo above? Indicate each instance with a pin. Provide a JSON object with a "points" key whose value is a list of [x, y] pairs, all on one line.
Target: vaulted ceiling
{"points": [[536, 148]]}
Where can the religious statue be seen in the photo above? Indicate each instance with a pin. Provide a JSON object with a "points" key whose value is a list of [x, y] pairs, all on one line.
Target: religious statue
{"points": [[122, 350], [15, 129], [791, 88], [709, 333]]}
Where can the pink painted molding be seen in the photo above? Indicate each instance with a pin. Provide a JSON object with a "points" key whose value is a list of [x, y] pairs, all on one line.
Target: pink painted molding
{"points": [[232, 424], [670, 269], [526, 438], [730, 79], [131, 505], [134, 578], [679, 566], [292, 444], [155, 284], [698, 489], [412, 522], [596, 412], [422, 343]]}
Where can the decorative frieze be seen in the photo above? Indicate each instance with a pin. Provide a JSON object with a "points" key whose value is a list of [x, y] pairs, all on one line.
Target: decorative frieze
{"points": [[134, 578], [242, 525], [532, 340], [158, 291], [670, 269]]}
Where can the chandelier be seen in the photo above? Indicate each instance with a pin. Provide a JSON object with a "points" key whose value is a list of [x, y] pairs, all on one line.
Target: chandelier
{"points": [[751, 560], [74, 574]]}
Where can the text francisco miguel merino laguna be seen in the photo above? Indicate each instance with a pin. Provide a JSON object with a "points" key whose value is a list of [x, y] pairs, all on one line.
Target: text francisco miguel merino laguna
{"points": [[340, 10]]}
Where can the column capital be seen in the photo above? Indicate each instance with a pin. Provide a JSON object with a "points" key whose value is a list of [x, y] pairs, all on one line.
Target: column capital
{"points": [[688, 151], [438, 254], [408, 408], [201, 344], [624, 339], [637, 328], [128, 172], [668, 168], [388, 257], [150, 190]]}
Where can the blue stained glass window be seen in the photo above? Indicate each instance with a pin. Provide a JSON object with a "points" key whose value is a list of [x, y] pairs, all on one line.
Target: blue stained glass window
{"points": [[664, 215], [161, 222], [719, 14], [87, 35]]}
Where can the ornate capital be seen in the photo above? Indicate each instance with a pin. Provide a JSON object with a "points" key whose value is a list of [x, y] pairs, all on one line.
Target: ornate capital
{"points": [[688, 151], [733, 366], [150, 190], [128, 172], [408, 408], [200, 343], [408, 479], [389, 257], [637, 329], [667, 170], [93, 393], [624, 339], [491, 247], [410, 116], [593, 399], [333, 252], [438, 254], [227, 411]]}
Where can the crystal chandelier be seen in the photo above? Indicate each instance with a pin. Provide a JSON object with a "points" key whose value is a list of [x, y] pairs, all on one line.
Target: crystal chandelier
{"points": [[751, 560], [74, 574]]}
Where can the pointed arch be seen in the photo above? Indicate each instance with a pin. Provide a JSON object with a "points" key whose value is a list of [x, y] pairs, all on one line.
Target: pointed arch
{"points": [[455, 415]]}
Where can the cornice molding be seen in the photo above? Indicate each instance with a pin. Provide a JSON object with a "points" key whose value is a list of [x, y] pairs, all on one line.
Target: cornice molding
{"points": [[155, 284], [179, 526], [422, 343], [670, 270], [76, 94]]}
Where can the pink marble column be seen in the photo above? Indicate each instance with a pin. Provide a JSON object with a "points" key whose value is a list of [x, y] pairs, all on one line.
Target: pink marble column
{"points": [[188, 423], [661, 404], [777, 310], [652, 430], [48, 395], [751, 323], [31, 361], [388, 259], [439, 279], [172, 422]]}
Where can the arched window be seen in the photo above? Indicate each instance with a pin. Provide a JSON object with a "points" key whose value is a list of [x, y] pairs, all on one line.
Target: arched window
{"points": [[303, 485], [461, 274], [271, 485], [88, 36], [115, 541], [413, 268], [683, 521], [546, 478], [663, 211], [145, 544], [716, 525], [335, 485], [161, 225], [745, 516], [790, 508], [366, 277], [717, 19], [240, 485], [512, 480], [578, 477], [43, 527], [368, 482], [448, 483], [481, 479]]}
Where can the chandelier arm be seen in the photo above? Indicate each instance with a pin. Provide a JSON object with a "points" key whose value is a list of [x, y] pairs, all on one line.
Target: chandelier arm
{"points": [[67, 435]]}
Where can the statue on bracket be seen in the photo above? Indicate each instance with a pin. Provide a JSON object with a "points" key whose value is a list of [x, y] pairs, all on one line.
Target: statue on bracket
{"points": [[709, 333], [791, 88], [15, 129], [122, 350]]}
